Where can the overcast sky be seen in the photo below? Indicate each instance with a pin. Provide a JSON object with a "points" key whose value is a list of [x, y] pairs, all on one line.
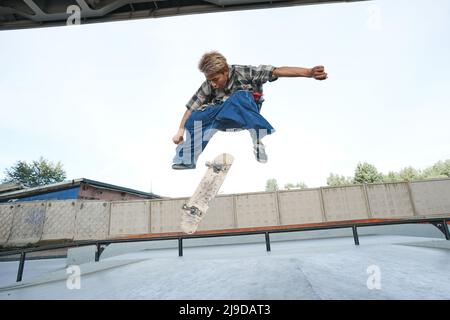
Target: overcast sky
{"points": [[106, 99]]}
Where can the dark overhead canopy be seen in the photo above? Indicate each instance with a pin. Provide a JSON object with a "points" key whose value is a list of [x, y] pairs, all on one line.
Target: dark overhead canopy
{"points": [[18, 14]]}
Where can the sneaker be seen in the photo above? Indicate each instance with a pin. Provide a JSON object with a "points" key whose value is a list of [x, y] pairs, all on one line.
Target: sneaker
{"points": [[260, 152], [182, 166]]}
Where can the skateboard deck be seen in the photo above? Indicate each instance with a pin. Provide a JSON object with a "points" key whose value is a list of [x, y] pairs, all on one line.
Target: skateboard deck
{"points": [[194, 210]]}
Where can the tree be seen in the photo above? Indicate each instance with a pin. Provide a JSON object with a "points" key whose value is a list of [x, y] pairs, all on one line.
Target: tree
{"points": [[440, 169], [338, 180], [271, 185], [392, 177], [38, 173], [367, 173], [298, 185], [409, 174]]}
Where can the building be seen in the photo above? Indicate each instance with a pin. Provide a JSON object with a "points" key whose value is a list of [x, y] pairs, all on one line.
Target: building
{"points": [[83, 189]]}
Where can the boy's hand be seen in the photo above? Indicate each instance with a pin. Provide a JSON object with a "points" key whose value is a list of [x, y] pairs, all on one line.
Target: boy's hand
{"points": [[318, 73], [178, 138]]}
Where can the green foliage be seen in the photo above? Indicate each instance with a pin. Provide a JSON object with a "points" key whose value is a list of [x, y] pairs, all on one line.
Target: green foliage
{"points": [[298, 185], [367, 173], [38, 173], [271, 185], [392, 177], [409, 174], [338, 180], [440, 169]]}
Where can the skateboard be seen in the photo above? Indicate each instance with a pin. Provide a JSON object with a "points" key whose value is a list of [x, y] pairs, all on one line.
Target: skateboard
{"points": [[194, 210]]}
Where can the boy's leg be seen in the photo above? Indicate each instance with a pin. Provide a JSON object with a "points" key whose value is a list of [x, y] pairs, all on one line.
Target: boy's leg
{"points": [[241, 111], [259, 150], [199, 130]]}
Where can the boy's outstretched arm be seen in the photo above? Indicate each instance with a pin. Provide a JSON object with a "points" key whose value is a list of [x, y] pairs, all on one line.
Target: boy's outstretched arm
{"points": [[178, 138], [317, 72]]}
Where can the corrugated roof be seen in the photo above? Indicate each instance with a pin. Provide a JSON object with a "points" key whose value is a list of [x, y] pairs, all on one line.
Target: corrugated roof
{"points": [[11, 186]]}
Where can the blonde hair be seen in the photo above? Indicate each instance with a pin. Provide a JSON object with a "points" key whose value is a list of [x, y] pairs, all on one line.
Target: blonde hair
{"points": [[212, 62]]}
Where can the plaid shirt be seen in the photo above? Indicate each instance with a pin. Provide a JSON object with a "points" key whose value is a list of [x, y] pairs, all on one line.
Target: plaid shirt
{"points": [[240, 78]]}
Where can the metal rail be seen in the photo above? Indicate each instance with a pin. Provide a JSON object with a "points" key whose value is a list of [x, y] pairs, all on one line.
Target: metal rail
{"points": [[440, 223]]}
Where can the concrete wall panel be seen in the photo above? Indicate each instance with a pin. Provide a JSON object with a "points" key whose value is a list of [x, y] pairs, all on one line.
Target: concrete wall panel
{"points": [[300, 206], [28, 222], [59, 220], [256, 210], [128, 218], [6, 222], [92, 220], [219, 216], [345, 203], [166, 215], [431, 197], [391, 200]]}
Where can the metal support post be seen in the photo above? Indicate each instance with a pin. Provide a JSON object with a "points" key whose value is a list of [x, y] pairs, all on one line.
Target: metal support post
{"points": [[21, 265], [355, 235], [446, 232], [267, 242], [98, 252], [180, 247]]}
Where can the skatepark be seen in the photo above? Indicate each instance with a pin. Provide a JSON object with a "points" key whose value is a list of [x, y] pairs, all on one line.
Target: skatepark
{"points": [[375, 241]]}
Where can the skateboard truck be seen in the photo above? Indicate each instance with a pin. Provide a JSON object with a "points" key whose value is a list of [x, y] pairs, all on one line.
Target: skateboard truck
{"points": [[216, 167], [192, 210]]}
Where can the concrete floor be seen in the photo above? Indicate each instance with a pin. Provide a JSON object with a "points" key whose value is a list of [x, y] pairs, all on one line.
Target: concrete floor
{"points": [[382, 267]]}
